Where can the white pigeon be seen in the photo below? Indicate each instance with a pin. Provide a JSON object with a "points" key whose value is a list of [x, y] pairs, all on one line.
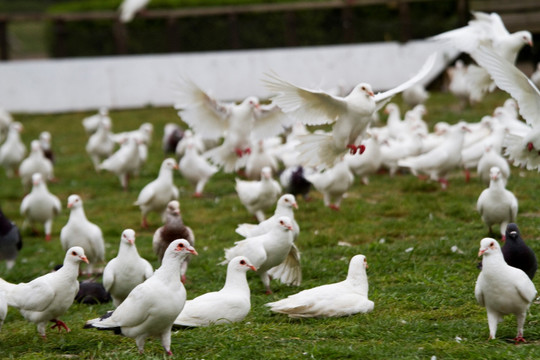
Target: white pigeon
{"points": [[502, 289], [395, 126], [370, 161], [174, 228], [440, 160], [100, 144], [350, 115], [459, 84], [535, 76], [36, 162], [129, 8], [237, 123], [91, 123], [344, 298], [492, 157], [190, 138], [172, 135], [230, 304], [194, 167], [260, 157], [496, 204], [143, 138], [333, 183], [126, 270], [5, 120], [40, 206], [155, 196], [258, 196], [125, 162], [3, 308], [394, 150], [45, 141], [521, 150], [13, 150], [266, 251], [485, 30], [415, 95], [152, 307], [47, 297], [80, 232]]}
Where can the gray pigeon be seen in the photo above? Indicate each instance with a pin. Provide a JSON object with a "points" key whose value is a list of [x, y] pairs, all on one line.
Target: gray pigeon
{"points": [[516, 253], [10, 241]]}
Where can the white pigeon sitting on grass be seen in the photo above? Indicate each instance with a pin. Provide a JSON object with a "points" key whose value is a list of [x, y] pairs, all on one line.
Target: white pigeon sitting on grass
{"points": [[125, 162], [266, 251], [496, 204], [444, 158], [258, 195], [344, 298], [152, 307], [349, 115], [333, 183], [155, 196], [40, 206], [100, 144], [127, 270], [80, 232], [36, 162], [47, 297], [13, 150], [502, 289], [194, 167], [230, 304]]}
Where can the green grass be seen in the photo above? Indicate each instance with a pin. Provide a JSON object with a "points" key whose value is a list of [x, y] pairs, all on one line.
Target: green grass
{"points": [[424, 299]]}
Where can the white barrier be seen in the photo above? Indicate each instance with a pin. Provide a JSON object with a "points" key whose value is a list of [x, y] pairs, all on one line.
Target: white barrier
{"points": [[44, 86]]}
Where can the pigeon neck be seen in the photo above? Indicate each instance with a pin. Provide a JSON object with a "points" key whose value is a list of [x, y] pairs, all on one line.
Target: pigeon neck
{"points": [[165, 174], [358, 279], [128, 250], [69, 270], [236, 280], [496, 184], [78, 212], [169, 270], [492, 261]]}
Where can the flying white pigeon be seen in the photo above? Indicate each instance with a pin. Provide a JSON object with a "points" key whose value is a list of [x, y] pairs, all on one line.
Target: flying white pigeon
{"points": [[129, 8], [350, 115], [40, 206], [440, 160], [267, 250], [152, 307], [13, 150], [237, 123], [258, 196], [126, 270], [521, 150], [100, 144], [502, 289], [174, 228], [496, 204], [47, 297], [80, 232], [333, 183], [125, 162], [155, 196], [230, 304], [194, 167], [344, 298], [36, 162], [485, 30]]}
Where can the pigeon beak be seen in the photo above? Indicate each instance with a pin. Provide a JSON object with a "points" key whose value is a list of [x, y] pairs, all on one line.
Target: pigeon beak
{"points": [[175, 167], [252, 267], [289, 227], [70, 205], [193, 251], [131, 241], [481, 252], [295, 205], [84, 258], [370, 93]]}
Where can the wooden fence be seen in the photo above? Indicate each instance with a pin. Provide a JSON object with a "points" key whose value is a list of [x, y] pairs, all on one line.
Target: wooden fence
{"points": [[523, 14]]}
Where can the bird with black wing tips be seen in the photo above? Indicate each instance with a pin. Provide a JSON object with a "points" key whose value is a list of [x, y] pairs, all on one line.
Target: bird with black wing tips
{"points": [[516, 253]]}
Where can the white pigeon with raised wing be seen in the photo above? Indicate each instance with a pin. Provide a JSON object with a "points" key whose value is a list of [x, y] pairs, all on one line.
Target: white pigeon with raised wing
{"points": [[80, 232], [349, 115], [344, 298], [152, 307], [502, 289], [127, 270], [40, 206], [230, 304], [47, 297]]}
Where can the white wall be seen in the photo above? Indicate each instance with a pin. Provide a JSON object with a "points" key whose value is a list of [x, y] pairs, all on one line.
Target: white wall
{"points": [[40, 86]]}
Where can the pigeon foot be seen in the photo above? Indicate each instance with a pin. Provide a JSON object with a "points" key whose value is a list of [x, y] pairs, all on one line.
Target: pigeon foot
{"points": [[197, 195], [48, 237], [519, 339], [60, 324], [353, 148], [334, 207]]}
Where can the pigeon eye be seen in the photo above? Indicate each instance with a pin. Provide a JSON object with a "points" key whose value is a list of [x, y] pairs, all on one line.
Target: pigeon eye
{"points": [[242, 262], [74, 253], [281, 222]]}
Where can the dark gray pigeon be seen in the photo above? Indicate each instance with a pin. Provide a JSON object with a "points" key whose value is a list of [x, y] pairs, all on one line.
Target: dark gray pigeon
{"points": [[10, 241], [516, 253]]}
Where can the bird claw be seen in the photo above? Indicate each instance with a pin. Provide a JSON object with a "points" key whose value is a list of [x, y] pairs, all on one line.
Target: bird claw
{"points": [[197, 195], [353, 149], [48, 237], [334, 207], [519, 339], [361, 149], [60, 324], [239, 152]]}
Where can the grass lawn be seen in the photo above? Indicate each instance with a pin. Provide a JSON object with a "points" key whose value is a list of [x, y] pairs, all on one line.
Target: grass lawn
{"points": [[424, 298]]}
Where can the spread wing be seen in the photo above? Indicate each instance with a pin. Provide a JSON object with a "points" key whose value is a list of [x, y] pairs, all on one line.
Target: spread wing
{"points": [[269, 121]]}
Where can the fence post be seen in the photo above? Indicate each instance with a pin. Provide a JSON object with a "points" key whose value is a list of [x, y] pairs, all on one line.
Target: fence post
{"points": [[290, 29], [59, 49], [233, 31], [120, 37], [405, 21], [4, 50], [347, 22]]}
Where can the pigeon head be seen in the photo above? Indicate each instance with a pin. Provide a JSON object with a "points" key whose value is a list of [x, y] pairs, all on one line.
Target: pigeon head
{"points": [[391, 108], [285, 223], [488, 246], [288, 201], [494, 173], [37, 179], [241, 263], [525, 37], [179, 248], [76, 254], [128, 236], [173, 207], [512, 232], [35, 146], [74, 201], [170, 164], [363, 89], [266, 172], [252, 101]]}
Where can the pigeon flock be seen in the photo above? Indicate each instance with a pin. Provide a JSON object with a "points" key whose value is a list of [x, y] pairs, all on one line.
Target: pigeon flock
{"points": [[277, 158]]}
